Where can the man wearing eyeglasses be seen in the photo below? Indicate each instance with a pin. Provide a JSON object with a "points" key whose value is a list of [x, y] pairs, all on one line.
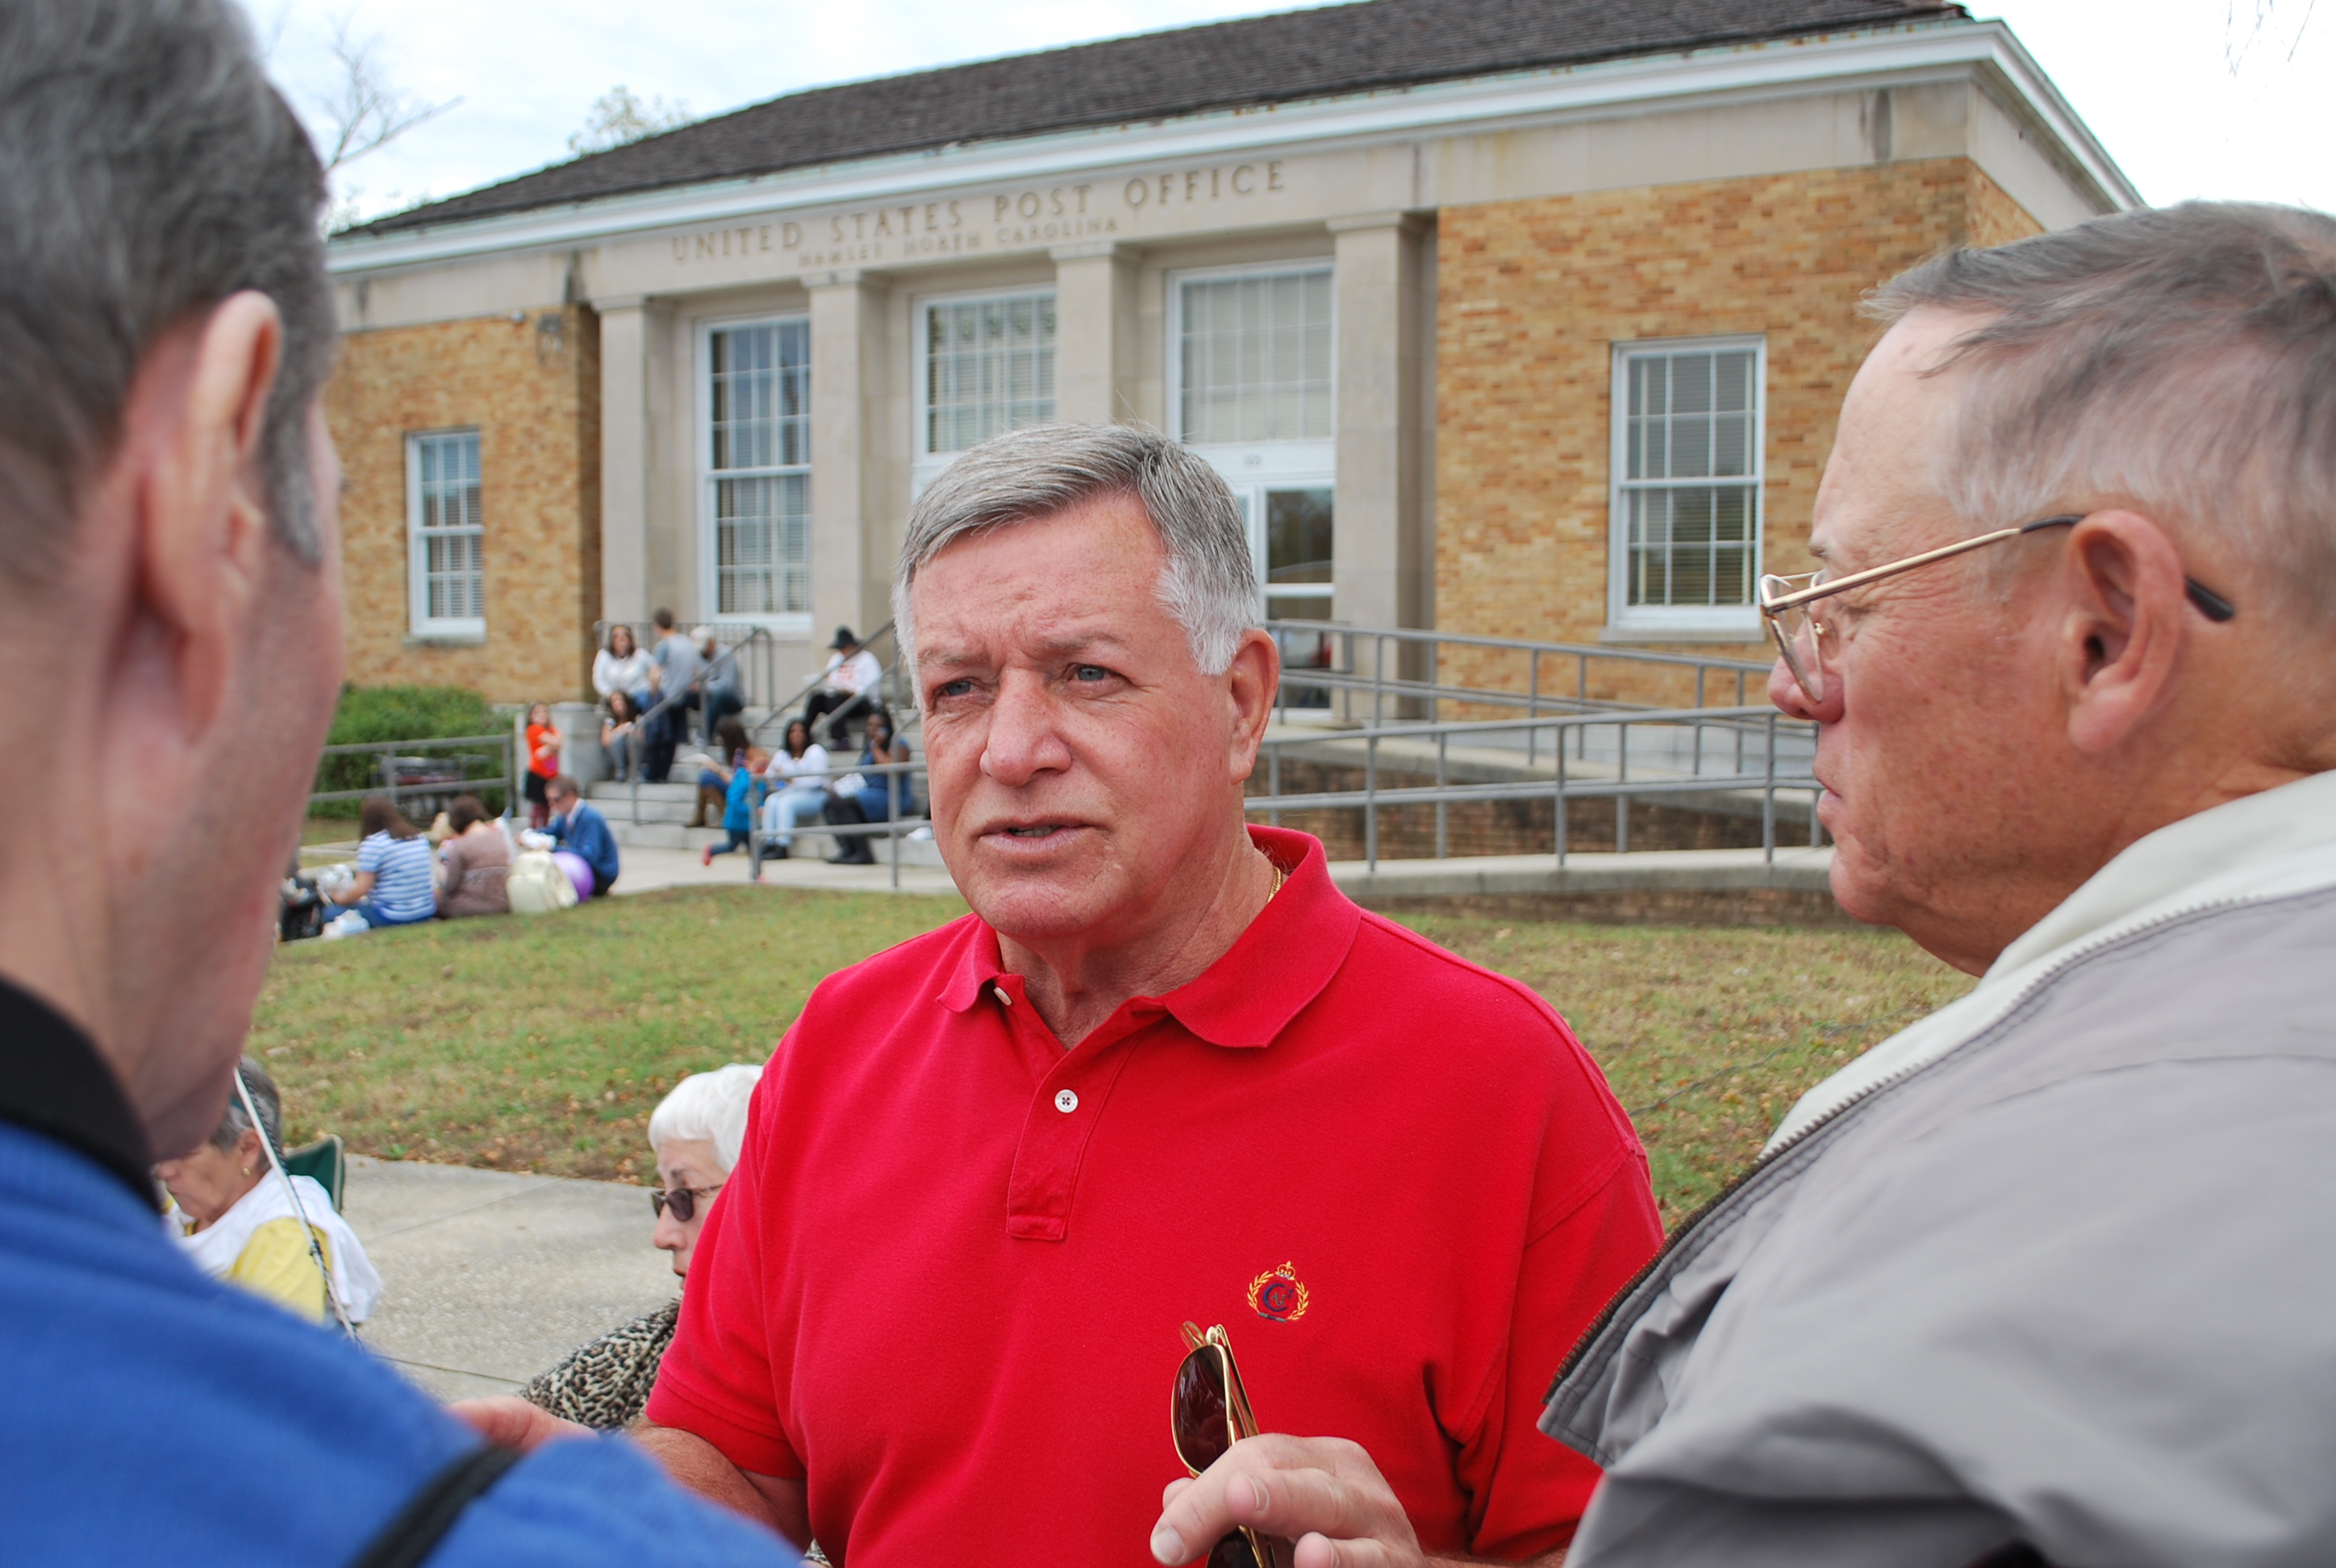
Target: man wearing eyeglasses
{"points": [[2044, 1278], [1164, 1074]]}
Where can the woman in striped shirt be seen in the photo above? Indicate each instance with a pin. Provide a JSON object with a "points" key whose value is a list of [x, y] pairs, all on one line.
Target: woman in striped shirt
{"points": [[392, 886]]}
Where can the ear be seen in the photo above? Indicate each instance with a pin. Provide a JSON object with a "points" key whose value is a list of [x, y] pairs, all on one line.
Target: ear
{"points": [[203, 525], [1250, 683], [248, 1150], [2122, 625]]}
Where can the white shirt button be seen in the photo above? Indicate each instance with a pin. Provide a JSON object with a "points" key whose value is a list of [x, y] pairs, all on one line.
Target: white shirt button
{"points": [[1067, 1101], [999, 992]]}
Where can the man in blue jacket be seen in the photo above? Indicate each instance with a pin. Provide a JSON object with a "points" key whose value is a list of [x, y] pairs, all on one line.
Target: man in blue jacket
{"points": [[168, 554], [582, 828]]}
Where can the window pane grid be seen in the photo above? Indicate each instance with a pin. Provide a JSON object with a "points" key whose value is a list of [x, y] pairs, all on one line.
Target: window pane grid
{"points": [[989, 366], [759, 387], [1255, 358], [450, 528], [1690, 424]]}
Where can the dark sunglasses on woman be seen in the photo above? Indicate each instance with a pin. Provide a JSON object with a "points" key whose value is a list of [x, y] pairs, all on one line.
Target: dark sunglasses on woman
{"points": [[682, 1201]]}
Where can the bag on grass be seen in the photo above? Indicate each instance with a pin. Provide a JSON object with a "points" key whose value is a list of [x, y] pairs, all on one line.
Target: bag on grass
{"points": [[537, 884]]}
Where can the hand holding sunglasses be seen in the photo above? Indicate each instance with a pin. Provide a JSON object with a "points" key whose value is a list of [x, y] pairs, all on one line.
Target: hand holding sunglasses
{"points": [[1315, 1479], [1208, 1413]]}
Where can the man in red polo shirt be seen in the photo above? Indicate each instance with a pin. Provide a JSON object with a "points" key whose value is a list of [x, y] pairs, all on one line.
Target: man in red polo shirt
{"points": [[1164, 1071]]}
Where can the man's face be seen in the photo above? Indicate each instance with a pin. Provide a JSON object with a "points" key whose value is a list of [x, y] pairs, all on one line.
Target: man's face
{"points": [[1938, 746], [560, 804], [1078, 756]]}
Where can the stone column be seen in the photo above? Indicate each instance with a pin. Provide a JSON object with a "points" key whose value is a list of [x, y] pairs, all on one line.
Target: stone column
{"points": [[1377, 577], [624, 450], [644, 548], [850, 443], [1095, 332]]}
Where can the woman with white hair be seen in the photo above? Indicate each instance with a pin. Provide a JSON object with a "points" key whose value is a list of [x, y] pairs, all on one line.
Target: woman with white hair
{"points": [[696, 1133]]}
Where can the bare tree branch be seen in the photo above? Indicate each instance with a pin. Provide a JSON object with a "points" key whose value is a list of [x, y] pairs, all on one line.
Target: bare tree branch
{"points": [[364, 111], [2258, 18]]}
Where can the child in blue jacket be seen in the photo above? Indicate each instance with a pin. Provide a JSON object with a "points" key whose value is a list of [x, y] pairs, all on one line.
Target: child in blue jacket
{"points": [[738, 813]]}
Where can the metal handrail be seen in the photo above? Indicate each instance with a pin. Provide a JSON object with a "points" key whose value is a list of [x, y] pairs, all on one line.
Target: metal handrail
{"points": [[1346, 680], [1742, 722], [387, 750], [894, 828]]}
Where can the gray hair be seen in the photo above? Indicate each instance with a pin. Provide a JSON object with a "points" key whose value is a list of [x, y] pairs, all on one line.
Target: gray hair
{"points": [[2180, 361], [237, 1122], [711, 1107], [1208, 584], [147, 172]]}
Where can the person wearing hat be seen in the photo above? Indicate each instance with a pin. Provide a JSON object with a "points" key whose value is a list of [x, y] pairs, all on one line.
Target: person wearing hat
{"points": [[851, 670]]}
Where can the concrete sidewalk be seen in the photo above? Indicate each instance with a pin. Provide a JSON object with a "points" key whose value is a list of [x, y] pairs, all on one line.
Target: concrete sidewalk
{"points": [[490, 1278]]}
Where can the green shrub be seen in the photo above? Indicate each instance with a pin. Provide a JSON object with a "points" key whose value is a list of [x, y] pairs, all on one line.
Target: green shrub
{"points": [[410, 713], [403, 713]]}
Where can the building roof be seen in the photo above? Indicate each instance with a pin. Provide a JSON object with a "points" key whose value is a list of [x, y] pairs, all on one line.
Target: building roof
{"points": [[1283, 58]]}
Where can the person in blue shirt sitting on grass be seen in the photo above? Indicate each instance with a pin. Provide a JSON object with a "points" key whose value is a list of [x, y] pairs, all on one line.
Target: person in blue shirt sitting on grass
{"points": [[582, 829], [393, 885]]}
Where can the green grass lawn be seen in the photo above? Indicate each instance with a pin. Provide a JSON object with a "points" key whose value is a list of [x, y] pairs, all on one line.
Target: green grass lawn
{"points": [[542, 1045]]}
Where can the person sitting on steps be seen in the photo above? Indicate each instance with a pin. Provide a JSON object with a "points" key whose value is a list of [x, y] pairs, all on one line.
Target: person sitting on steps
{"points": [[802, 769], [860, 798], [851, 675], [620, 736]]}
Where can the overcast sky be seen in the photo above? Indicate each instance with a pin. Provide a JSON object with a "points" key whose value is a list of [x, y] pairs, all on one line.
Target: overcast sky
{"points": [[2227, 98]]}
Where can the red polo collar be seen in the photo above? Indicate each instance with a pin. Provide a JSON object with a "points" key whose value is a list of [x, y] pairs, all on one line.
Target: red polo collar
{"points": [[1248, 997]]}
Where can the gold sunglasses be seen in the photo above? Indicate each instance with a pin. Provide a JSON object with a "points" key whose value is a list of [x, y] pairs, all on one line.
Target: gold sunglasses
{"points": [[1208, 1413], [1800, 636]]}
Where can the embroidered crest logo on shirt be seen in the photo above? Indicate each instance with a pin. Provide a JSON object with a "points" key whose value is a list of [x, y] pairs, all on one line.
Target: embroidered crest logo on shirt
{"points": [[1277, 1296]]}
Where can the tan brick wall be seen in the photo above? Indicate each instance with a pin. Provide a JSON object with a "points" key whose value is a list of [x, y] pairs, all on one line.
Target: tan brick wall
{"points": [[534, 397], [1993, 218], [1532, 294]]}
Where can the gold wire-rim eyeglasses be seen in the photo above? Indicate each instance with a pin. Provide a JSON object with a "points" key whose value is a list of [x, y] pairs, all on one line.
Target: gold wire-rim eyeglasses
{"points": [[1781, 597]]}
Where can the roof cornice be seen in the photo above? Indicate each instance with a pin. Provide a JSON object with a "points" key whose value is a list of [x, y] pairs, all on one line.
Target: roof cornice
{"points": [[1889, 57]]}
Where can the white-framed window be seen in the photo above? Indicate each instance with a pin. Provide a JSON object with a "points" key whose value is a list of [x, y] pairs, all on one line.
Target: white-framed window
{"points": [[445, 534], [1252, 355], [756, 456], [1250, 384], [985, 364], [1688, 435]]}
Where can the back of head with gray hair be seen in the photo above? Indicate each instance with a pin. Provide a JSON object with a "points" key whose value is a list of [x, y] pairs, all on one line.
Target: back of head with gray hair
{"points": [[147, 172], [235, 1122], [1208, 584], [2180, 361], [711, 1107]]}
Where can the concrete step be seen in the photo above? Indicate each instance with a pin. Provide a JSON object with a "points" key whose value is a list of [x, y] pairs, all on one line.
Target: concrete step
{"points": [[813, 839]]}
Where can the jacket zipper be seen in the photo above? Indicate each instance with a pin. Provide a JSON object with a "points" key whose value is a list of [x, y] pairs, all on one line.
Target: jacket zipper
{"points": [[1687, 1227]]}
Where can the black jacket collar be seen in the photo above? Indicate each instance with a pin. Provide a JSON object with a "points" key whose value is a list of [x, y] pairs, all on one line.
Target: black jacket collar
{"points": [[53, 1081]]}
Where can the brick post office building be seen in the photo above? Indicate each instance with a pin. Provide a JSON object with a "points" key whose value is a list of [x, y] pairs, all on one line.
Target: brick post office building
{"points": [[1524, 317]]}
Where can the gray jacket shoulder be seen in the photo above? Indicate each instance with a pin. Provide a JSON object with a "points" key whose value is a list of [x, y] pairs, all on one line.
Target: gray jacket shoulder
{"points": [[2065, 1286]]}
